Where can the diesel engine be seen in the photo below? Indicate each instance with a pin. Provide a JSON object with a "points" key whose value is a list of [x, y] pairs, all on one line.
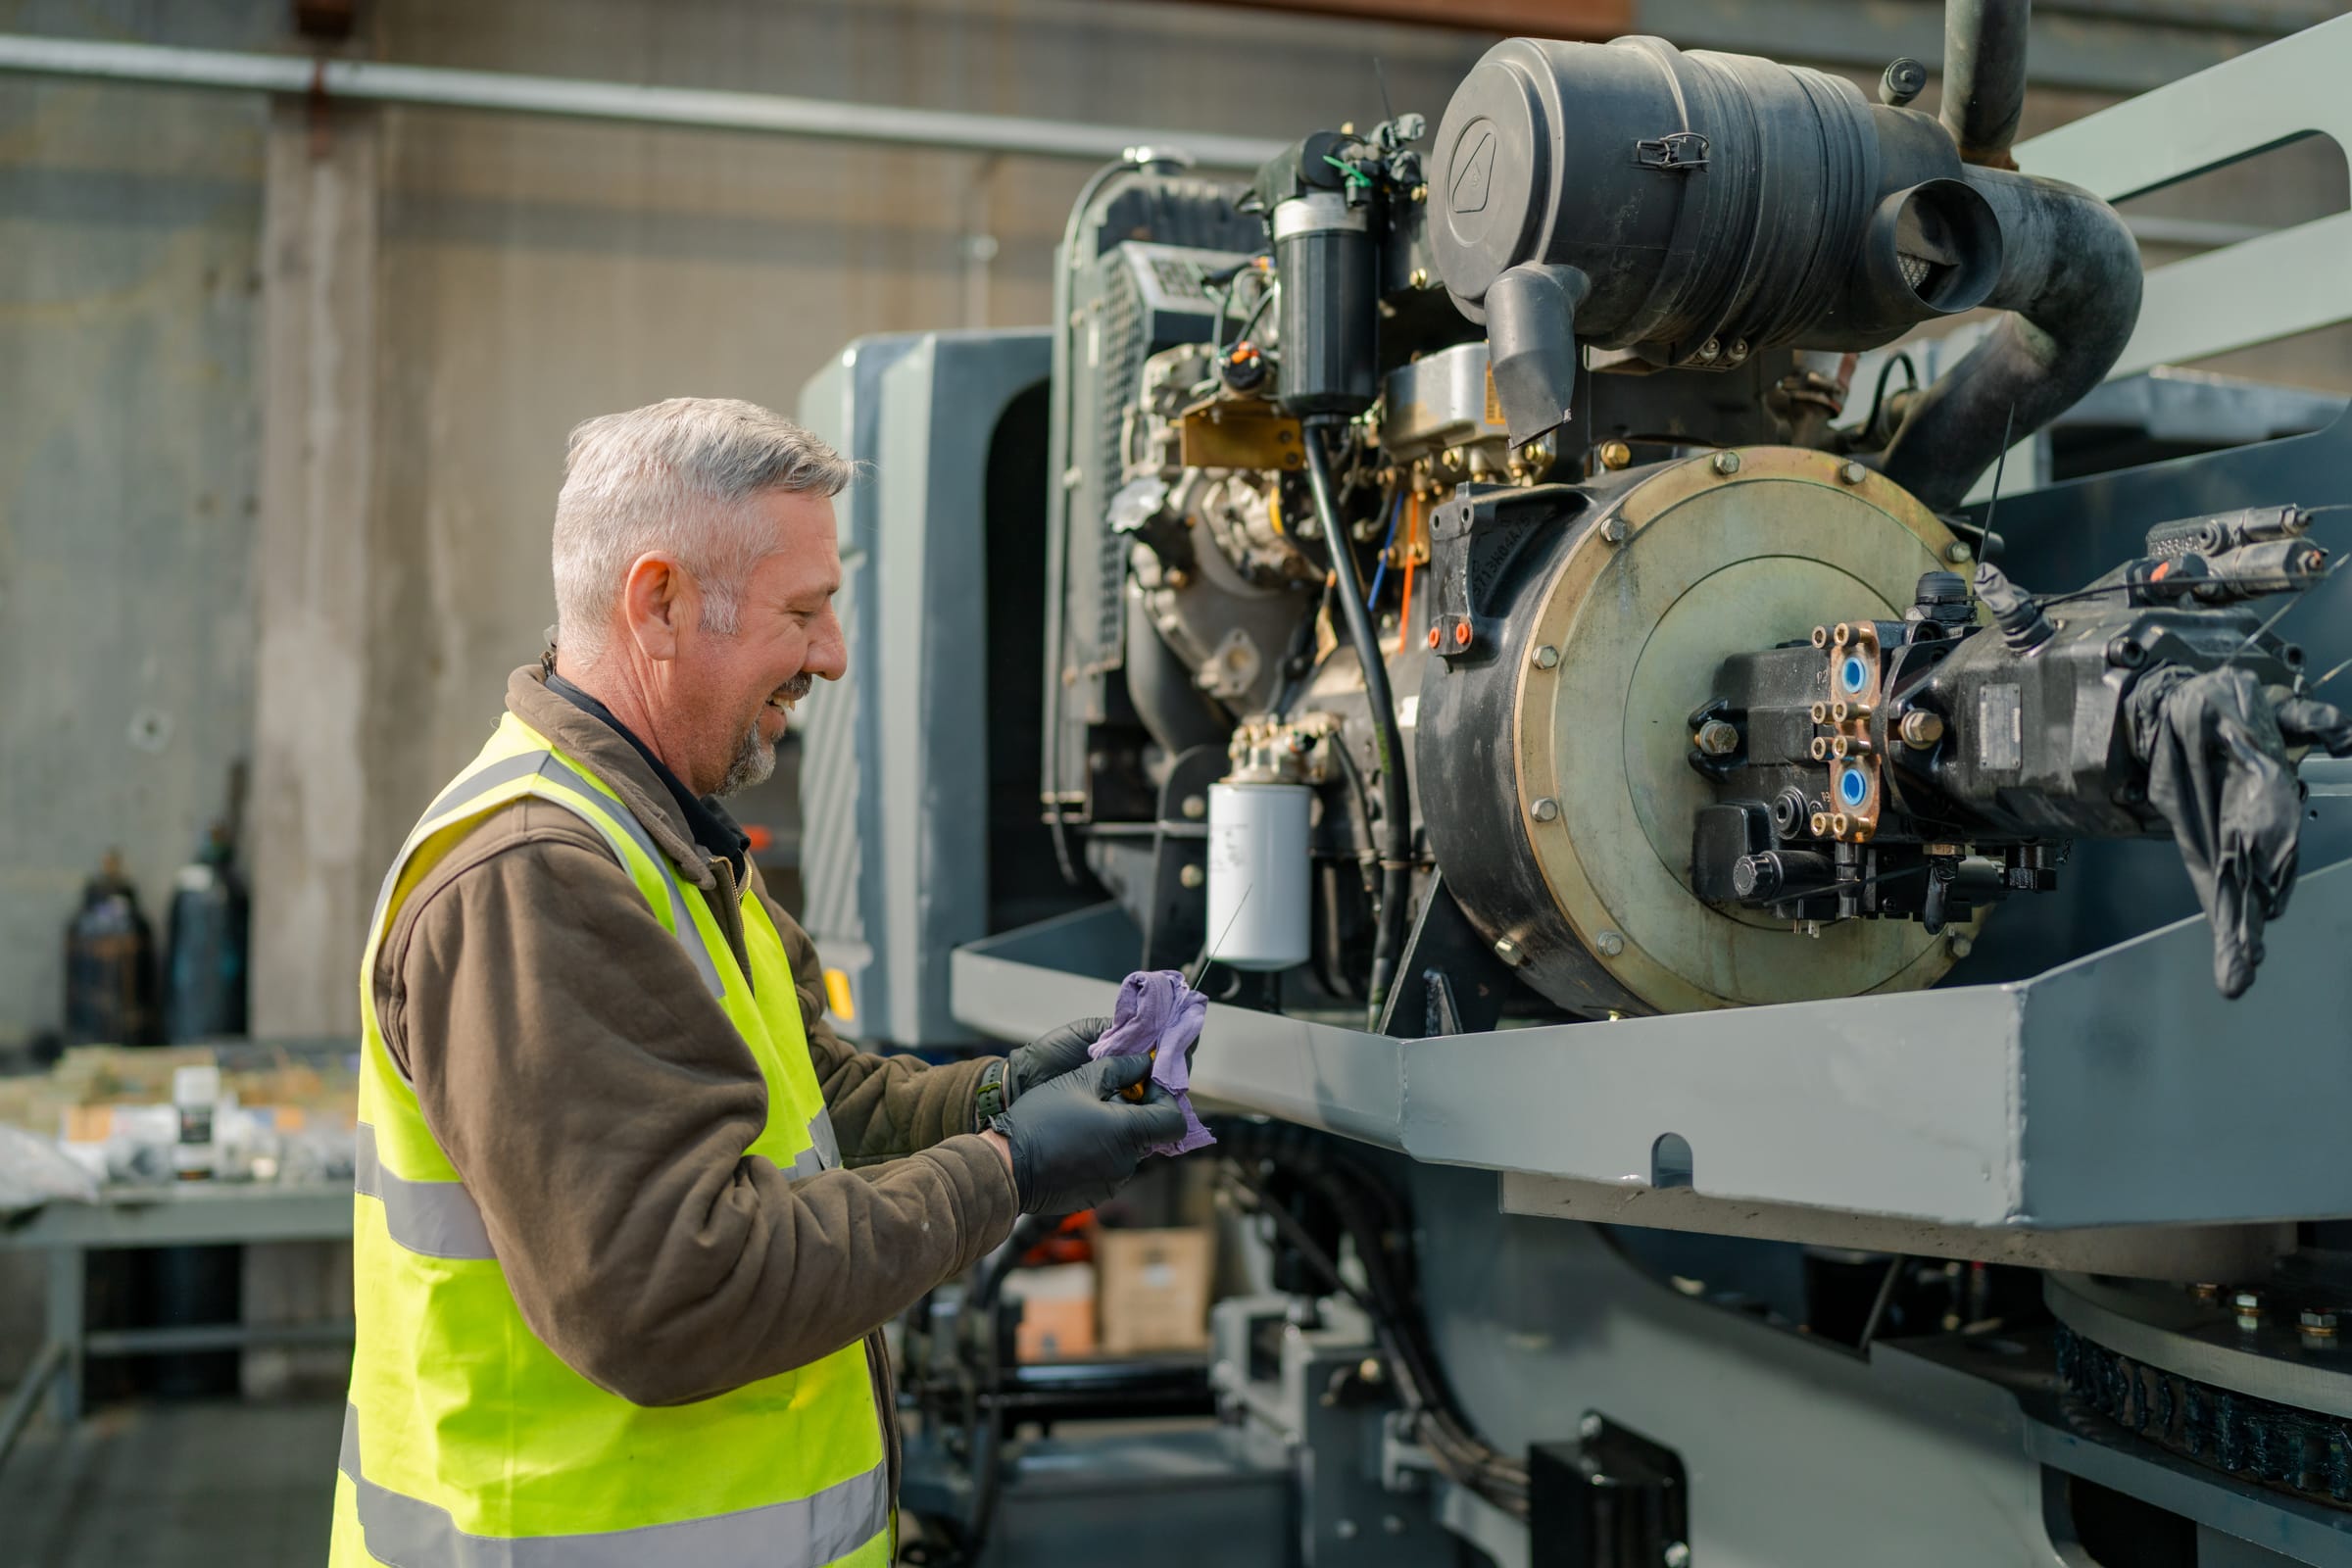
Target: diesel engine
{"points": [[1489, 519]]}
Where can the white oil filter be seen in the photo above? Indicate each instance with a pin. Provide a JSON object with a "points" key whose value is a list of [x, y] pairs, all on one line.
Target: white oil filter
{"points": [[1257, 865]]}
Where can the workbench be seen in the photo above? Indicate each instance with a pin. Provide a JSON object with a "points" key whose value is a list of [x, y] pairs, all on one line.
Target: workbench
{"points": [[195, 1214]]}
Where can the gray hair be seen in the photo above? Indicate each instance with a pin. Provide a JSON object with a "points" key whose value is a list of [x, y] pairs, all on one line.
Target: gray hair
{"points": [[674, 475]]}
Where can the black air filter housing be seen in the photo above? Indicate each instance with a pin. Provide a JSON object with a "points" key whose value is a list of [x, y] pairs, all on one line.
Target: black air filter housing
{"points": [[1712, 203]]}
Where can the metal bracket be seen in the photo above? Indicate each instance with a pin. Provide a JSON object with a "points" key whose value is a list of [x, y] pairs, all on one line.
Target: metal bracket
{"points": [[1676, 152]]}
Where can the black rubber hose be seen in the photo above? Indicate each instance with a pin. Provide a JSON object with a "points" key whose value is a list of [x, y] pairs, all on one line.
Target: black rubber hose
{"points": [[1984, 76], [2071, 280], [1395, 797]]}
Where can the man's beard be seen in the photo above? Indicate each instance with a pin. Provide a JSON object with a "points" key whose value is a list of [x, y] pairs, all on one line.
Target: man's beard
{"points": [[755, 758]]}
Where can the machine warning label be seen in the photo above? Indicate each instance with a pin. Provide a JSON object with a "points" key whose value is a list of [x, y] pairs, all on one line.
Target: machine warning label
{"points": [[2000, 728]]}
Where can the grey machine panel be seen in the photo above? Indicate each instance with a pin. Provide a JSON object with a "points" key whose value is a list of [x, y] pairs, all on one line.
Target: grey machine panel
{"points": [[894, 863], [1991, 1121]]}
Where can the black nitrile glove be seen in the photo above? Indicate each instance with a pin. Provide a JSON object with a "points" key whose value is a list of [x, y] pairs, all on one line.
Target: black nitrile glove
{"points": [[1050, 1056], [1075, 1141], [2216, 748]]}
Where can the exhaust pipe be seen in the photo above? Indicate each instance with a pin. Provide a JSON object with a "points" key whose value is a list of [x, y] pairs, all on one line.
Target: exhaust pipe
{"points": [[1985, 77]]}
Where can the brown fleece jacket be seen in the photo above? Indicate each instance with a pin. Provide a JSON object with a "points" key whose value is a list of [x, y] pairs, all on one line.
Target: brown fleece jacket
{"points": [[597, 1103]]}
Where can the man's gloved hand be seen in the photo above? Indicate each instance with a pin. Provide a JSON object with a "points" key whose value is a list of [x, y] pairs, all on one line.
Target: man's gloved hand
{"points": [[1050, 1056], [1074, 1141]]}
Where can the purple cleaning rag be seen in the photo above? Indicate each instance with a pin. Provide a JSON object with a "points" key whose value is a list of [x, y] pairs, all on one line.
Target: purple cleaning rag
{"points": [[1157, 1012]]}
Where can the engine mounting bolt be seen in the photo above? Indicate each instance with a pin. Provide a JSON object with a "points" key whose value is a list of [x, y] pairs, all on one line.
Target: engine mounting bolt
{"points": [[1920, 729], [1616, 455], [1678, 1555], [1959, 944], [1726, 463], [1610, 943], [1852, 472], [1418, 277], [1738, 349], [1959, 553], [1191, 877], [1712, 349], [1509, 952], [1612, 529], [1716, 738], [1461, 634], [1547, 657], [2318, 1322], [1544, 809], [2246, 1303], [1195, 807]]}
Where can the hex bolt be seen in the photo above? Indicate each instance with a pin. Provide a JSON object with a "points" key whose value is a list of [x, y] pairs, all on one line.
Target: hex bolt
{"points": [[1726, 463], [1509, 952], [1616, 455], [1547, 657], [1958, 945], [1716, 738], [2316, 1322], [1610, 943], [1678, 1555], [1852, 472], [1612, 529], [2246, 1301], [1544, 809], [1959, 553], [1712, 349], [2205, 1292], [1370, 1370], [1737, 351], [1418, 277], [1920, 729], [1195, 807], [1191, 877]]}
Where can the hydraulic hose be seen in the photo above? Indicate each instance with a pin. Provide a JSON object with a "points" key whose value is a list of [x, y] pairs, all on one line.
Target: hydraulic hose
{"points": [[1395, 797]]}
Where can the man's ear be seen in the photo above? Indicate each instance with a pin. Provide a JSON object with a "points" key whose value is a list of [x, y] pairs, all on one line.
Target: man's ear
{"points": [[659, 599]]}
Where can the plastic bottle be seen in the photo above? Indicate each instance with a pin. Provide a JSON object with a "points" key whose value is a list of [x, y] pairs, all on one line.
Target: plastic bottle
{"points": [[110, 965], [204, 974]]}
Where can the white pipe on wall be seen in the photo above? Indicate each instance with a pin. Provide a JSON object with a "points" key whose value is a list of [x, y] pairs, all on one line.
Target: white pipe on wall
{"points": [[510, 93]]}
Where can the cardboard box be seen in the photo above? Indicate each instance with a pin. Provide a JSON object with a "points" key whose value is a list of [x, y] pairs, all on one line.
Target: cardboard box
{"points": [[1155, 1289], [1058, 1312]]}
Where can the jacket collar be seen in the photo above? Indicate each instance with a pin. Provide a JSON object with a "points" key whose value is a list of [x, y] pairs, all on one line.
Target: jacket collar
{"points": [[588, 740]]}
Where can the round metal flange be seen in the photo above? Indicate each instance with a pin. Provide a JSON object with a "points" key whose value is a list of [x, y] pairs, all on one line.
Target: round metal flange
{"points": [[1708, 565]]}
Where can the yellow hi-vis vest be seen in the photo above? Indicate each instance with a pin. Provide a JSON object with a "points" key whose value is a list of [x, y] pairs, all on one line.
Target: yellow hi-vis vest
{"points": [[468, 1444]]}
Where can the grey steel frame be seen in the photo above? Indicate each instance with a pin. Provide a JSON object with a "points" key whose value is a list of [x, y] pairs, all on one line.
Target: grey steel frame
{"points": [[142, 1218]]}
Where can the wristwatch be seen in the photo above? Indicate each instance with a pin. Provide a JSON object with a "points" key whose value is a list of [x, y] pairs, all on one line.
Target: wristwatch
{"points": [[989, 1100]]}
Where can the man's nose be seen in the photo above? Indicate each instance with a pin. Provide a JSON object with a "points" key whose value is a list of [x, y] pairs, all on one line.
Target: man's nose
{"points": [[828, 649]]}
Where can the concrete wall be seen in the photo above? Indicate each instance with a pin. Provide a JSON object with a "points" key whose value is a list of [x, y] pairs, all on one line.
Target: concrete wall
{"points": [[518, 277], [128, 226]]}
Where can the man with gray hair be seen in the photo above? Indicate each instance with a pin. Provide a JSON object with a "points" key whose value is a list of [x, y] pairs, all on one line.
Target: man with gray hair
{"points": [[629, 1214]]}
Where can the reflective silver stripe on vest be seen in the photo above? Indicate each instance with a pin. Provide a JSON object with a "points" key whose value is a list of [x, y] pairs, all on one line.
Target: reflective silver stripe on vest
{"points": [[810, 1533], [545, 764], [436, 1218]]}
